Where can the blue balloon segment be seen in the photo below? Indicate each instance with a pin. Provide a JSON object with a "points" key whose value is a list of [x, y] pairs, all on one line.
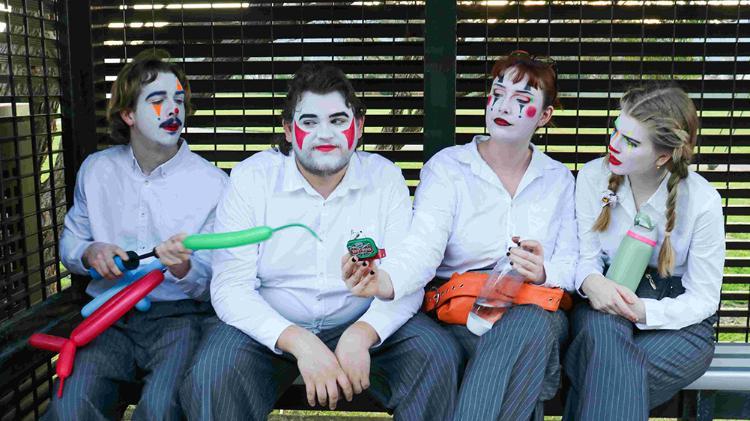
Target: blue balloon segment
{"points": [[118, 261], [128, 278]]}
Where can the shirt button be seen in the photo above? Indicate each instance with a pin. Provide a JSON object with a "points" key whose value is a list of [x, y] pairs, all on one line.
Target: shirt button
{"points": [[147, 182]]}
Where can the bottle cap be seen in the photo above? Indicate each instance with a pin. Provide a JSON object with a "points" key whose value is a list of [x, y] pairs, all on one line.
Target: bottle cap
{"points": [[642, 220], [478, 325]]}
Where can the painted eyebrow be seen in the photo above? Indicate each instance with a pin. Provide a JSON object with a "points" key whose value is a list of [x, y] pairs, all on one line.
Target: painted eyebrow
{"points": [[156, 94], [180, 93], [518, 92], [308, 116], [339, 114], [628, 138]]}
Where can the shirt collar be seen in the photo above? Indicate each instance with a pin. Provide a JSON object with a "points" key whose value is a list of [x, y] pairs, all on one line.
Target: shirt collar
{"points": [[167, 167], [470, 155], [354, 178], [657, 201]]}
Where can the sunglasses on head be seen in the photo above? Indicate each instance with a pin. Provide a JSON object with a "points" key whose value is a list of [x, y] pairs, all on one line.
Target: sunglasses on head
{"points": [[524, 55]]}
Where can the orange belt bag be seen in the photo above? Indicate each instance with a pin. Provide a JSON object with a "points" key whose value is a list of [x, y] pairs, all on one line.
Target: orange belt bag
{"points": [[453, 300]]}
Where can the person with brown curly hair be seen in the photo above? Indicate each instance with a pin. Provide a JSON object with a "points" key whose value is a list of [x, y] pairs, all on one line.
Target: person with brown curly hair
{"points": [[144, 192]]}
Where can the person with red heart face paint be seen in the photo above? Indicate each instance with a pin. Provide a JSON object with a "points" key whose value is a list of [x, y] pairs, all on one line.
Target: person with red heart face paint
{"points": [[472, 202], [140, 195], [651, 343], [284, 311]]}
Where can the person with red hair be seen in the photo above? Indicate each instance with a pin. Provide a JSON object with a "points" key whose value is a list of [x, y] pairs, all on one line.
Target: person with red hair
{"points": [[471, 202]]}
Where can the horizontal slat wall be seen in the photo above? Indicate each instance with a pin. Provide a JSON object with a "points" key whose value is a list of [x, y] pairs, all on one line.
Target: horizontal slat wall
{"points": [[600, 50], [239, 57]]}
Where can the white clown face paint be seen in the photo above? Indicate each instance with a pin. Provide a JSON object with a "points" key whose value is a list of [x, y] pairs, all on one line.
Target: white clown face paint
{"points": [[514, 110], [160, 110], [324, 133], [631, 151]]}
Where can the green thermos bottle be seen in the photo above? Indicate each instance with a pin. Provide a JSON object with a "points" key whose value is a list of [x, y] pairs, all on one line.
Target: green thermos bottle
{"points": [[634, 253]]}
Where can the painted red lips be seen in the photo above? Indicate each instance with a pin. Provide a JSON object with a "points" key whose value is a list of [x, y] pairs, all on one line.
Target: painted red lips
{"points": [[502, 122], [325, 148], [612, 159], [172, 127]]}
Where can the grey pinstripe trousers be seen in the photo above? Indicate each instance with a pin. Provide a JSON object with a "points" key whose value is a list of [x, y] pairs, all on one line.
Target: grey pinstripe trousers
{"points": [[157, 344], [619, 372], [513, 366], [414, 372]]}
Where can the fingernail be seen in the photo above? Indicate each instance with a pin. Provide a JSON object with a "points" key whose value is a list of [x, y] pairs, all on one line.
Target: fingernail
{"points": [[364, 263], [507, 254], [511, 263], [354, 259], [372, 272]]}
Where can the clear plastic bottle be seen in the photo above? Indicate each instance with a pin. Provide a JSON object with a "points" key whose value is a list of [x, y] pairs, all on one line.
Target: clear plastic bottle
{"points": [[495, 297]]}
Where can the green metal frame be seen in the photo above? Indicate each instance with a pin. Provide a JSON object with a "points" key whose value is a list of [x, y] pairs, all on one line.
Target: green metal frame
{"points": [[439, 76]]}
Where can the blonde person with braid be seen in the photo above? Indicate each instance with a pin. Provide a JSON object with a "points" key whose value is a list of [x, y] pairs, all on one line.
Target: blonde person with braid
{"points": [[633, 351]]}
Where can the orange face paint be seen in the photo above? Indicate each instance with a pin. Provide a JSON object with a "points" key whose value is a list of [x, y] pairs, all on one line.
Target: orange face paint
{"points": [[179, 86], [157, 110]]}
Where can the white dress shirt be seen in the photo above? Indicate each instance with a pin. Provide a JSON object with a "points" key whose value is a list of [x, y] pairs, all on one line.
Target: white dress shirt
{"points": [[292, 278], [697, 240], [464, 219], [116, 203]]}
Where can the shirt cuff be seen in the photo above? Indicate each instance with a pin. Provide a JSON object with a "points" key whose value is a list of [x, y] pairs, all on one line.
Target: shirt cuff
{"points": [[552, 277], [381, 324], [270, 333], [654, 315], [191, 283], [189, 277], [579, 283], [395, 275], [75, 264]]}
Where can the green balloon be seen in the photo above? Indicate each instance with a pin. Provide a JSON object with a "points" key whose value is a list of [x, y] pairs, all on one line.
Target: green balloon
{"points": [[226, 240]]}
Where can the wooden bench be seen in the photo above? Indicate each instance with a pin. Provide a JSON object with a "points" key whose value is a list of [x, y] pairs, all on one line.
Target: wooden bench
{"points": [[722, 392]]}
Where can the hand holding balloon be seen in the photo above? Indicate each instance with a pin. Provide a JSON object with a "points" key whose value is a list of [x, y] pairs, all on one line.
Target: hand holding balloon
{"points": [[174, 255], [106, 260]]}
